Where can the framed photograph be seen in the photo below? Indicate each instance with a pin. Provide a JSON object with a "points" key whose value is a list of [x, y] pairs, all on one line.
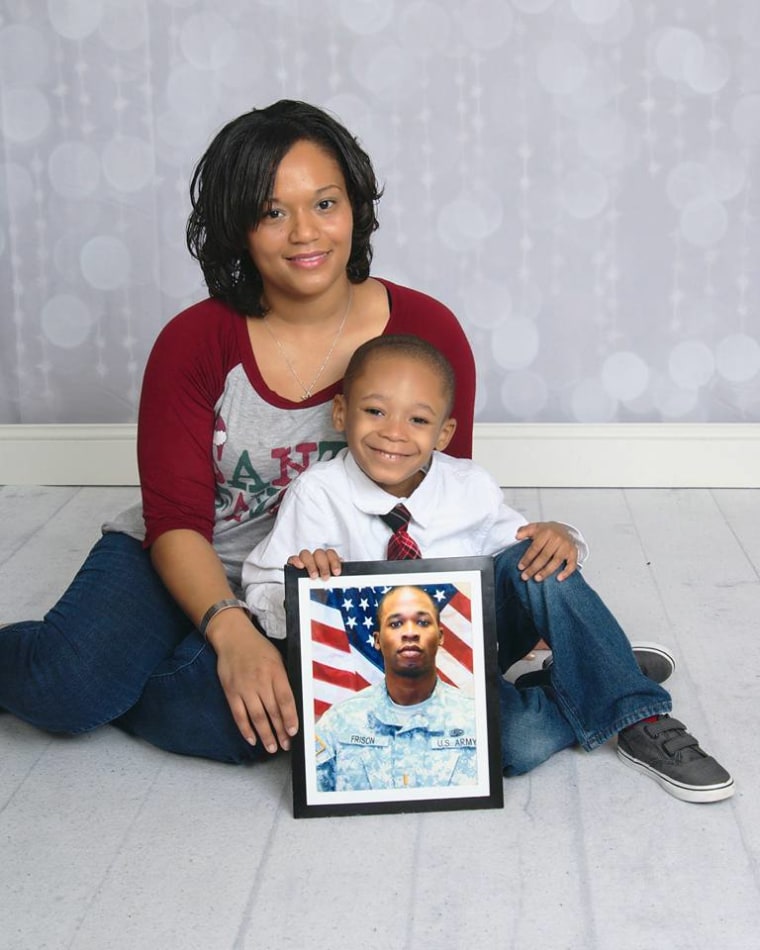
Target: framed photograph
{"points": [[395, 672]]}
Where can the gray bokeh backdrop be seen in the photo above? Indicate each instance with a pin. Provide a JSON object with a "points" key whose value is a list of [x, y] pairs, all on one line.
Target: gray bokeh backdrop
{"points": [[577, 179]]}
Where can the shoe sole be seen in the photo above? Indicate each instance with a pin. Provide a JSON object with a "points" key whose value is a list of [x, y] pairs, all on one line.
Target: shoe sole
{"points": [[702, 794], [645, 647]]}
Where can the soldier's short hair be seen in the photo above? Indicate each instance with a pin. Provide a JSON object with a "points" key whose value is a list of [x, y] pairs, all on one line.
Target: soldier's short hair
{"points": [[433, 604]]}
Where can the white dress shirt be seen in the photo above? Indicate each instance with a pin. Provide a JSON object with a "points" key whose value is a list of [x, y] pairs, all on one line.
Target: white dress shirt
{"points": [[457, 510]]}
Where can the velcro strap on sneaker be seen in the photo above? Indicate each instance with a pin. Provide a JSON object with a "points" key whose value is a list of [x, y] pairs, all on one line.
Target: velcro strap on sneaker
{"points": [[679, 743], [666, 724]]}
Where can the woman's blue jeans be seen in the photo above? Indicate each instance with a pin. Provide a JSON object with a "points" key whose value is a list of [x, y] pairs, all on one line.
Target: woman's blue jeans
{"points": [[596, 686], [116, 648]]}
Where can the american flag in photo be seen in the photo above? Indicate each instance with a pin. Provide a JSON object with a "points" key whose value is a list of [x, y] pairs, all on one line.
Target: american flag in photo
{"points": [[344, 658]]}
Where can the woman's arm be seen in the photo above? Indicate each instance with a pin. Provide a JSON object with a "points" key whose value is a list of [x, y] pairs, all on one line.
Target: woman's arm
{"points": [[250, 668], [184, 376]]}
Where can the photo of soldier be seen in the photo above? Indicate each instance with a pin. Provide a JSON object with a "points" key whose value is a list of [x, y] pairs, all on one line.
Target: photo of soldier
{"points": [[410, 730]]}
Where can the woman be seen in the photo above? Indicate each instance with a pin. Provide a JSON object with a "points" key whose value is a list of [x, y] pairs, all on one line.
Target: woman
{"points": [[236, 402]]}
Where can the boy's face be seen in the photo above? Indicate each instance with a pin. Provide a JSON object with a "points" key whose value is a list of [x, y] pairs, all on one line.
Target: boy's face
{"points": [[395, 415]]}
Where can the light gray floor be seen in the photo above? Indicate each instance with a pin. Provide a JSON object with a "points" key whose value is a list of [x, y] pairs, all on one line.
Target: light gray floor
{"points": [[106, 843]]}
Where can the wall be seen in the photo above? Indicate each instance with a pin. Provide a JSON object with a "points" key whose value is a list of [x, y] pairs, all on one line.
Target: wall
{"points": [[577, 179]]}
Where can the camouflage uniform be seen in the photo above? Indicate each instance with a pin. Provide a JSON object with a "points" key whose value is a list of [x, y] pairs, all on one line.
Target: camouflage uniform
{"points": [[363, 742]]}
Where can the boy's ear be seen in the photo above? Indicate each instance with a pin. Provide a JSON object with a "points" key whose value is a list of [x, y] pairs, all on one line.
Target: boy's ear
{"points": [[339, 412], [445, 435]]}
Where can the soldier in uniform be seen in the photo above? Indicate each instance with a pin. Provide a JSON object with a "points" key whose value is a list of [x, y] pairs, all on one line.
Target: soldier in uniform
{"points": [[409, 731]]}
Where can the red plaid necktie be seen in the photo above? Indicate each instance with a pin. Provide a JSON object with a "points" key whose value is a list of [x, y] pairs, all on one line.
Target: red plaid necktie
{"points": [[401, 547]]}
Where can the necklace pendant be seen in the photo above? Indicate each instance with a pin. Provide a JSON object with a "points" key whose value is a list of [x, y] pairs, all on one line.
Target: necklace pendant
{"points": [[308, 391]]}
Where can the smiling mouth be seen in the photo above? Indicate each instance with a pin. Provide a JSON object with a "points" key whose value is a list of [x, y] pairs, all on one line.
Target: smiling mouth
{"points": [[310, 259], [390, 456]]}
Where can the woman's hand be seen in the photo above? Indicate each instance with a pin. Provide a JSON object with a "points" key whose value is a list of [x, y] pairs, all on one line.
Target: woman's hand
{"points": [[249, 667], [552, 546], [254, 681], [320, 563]]}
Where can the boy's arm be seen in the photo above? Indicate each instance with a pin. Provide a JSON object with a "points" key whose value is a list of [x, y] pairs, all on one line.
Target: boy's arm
{"points": [[263, 575], [299, 523], [554, 544]]}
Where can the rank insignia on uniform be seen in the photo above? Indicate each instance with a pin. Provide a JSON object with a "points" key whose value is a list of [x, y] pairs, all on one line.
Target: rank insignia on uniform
{"points": [[320, 746], [456, 732]]}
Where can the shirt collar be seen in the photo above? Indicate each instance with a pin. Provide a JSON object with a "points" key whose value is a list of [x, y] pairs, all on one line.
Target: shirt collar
{"points": [[429, 716], [373, 500]]}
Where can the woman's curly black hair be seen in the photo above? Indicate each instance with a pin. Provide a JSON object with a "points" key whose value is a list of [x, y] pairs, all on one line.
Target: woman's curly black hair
{"points": [[233, 183]]}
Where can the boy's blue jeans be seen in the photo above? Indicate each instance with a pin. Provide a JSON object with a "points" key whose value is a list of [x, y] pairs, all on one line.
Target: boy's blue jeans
{"points": [[596, 686], [116, 648]]}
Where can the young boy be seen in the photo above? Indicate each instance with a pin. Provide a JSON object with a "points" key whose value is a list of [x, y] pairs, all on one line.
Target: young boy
{"points": [[395, 413]]}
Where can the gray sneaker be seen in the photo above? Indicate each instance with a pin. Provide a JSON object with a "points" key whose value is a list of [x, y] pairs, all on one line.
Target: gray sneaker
{"points": [[666, 752], [655, 662]]}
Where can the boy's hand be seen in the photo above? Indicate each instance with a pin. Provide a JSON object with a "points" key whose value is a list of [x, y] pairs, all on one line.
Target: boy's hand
{"points": [[320, 563], [552, 547]]}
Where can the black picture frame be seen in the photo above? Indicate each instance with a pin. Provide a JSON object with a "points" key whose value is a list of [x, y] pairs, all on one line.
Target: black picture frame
{"points": [[328, 662]]}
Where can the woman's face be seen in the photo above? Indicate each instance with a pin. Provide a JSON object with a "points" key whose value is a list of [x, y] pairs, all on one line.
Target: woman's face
{"points": [[302, 244]]}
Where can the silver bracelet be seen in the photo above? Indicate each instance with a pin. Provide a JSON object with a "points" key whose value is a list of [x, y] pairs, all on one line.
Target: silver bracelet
{"points": [[217, 608]]}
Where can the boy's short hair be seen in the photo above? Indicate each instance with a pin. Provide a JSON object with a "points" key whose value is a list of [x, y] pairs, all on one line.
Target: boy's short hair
{"points": [[403, 344], [233, 183]]}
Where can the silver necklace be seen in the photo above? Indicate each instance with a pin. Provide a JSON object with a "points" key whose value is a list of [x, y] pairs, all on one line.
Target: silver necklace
{"points": [[308, 391]]}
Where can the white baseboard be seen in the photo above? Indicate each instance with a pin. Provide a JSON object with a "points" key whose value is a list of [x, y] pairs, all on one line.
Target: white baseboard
{"points": [[68, 455], [657, 455], [626, 455]]}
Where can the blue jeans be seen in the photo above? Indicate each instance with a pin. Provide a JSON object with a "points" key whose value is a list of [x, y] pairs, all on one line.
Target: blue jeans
{"points": [[116, 648], [596, 686]]}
